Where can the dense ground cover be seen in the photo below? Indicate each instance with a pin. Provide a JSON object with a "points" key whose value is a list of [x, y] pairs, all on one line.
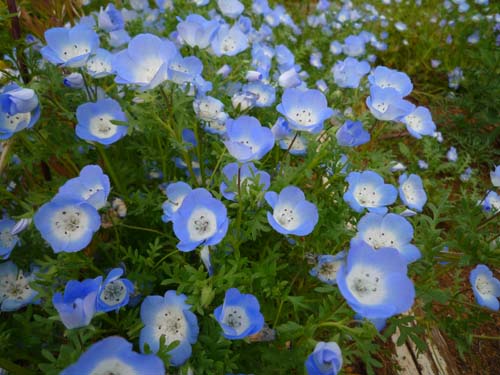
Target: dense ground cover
{"points": [[247, 188]]}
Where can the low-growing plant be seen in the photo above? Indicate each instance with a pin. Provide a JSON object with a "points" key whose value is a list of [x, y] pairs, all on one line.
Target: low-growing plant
{"points": [[219, 187]]}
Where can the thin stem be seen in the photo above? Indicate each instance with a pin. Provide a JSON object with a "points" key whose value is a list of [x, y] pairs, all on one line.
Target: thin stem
{"points": [[5, 152], [482, 337], [279, 165], [217, 165], [163, 259], [109, 168], [141, 228], [485, 222], [197, 135], [87, 87]]}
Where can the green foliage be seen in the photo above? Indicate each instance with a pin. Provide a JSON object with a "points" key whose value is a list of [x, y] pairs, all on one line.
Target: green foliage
{"points": [[253, 257]]}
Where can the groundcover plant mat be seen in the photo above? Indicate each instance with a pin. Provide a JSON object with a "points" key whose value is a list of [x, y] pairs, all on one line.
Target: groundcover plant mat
{"points": [[248, 187]]}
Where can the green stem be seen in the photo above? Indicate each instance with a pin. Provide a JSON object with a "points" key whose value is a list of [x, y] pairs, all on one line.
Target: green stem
{"points": [[87, 87], [485, 222], [109, 168], [338, 325], [163, 259], [5, 152], [486, 337], [199, 152], [217, 165], [142, 228]]}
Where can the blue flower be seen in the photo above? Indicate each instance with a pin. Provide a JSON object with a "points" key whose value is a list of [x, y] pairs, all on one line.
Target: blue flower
{"points": [[70, 47], [77, 306], [114, 355], [265, 94], [169, 316], [19, 109], [384, 77], [110, 19], [419, 122], [175, 192], [348, 73], [99, 64], [205, 258], [305, 110], [486, 288], [354, 46], [94, 121], [184, 69], [211, 113], [390, 230], [67, 223], [15, 99], [230, 8], [386, 104], [491, 202], [495, 176], [411, 191], [247, 140], [239, 316], [326, 359], [144, 62], [74, 81], [15, 291], [248, 175], [197, 31], [92, 186], [327, 267], [368, 190], [335, 47], [7, 240], [229, 41], [374, 282], [201, 220], [114, 292], [352, 134], [452, 155], [292, 213]]}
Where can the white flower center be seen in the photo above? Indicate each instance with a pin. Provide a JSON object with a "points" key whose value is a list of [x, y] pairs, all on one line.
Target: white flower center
{"points": [[172, 324], [97, 65], [377, 238], [286, 217], [11, 122], [69, 223], [414, 122], [113, 366], [366, 195], [179, 68], [365, 283], [102, 127], [483, 285], [114, 293], [409, 192], [236, 318], [7, 239], [303, 117], [328, 271], [202, 224], [381, 106], [228, 44], [148, 69], [209, 110], [75, 50], [15, 288]]}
